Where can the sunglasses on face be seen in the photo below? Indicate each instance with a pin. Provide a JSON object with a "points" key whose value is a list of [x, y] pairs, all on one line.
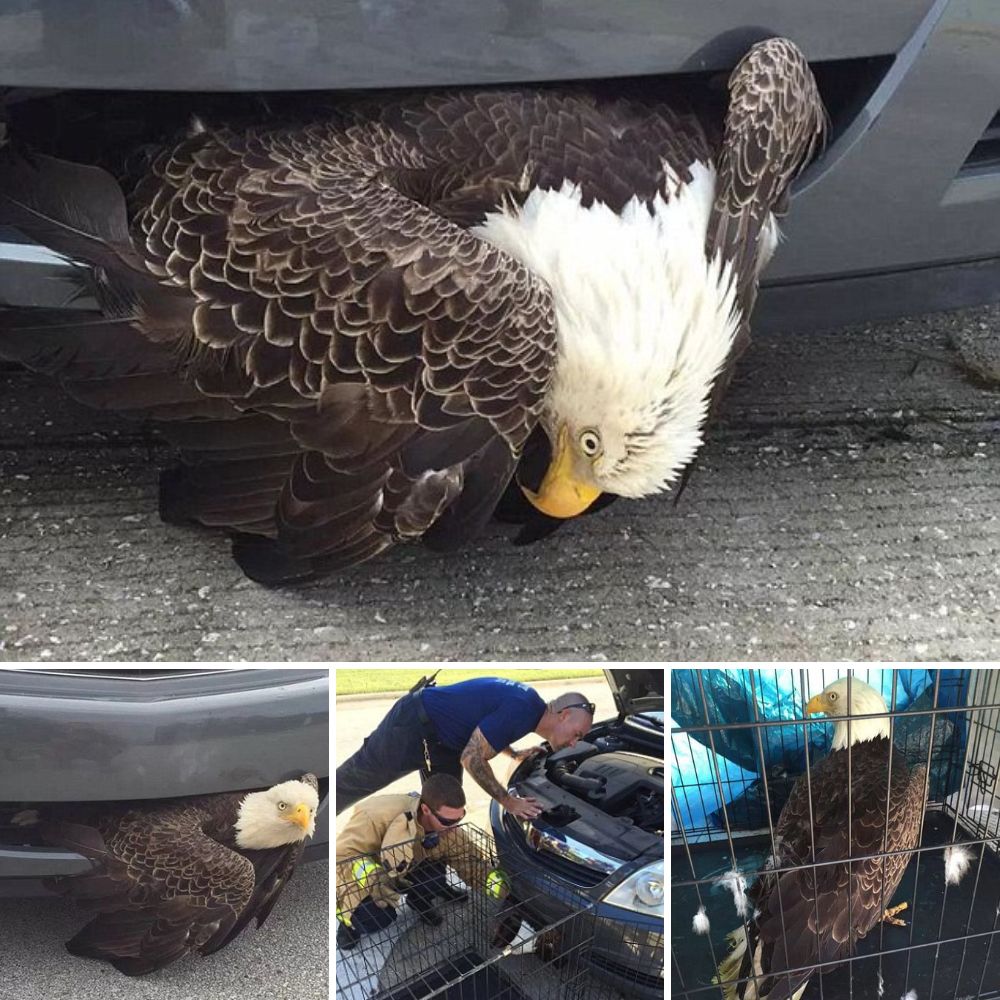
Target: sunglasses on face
{"points": [[442, 820]]}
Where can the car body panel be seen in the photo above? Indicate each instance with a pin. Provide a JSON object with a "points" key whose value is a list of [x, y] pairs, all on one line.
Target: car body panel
{"points": [[900, 214], [114, 735], [345, 44], [636, 690], [628, 944]]}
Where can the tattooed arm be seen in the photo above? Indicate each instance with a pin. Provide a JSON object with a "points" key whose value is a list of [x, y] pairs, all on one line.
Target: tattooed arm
{"points": [[475, 759], [521, 755]]}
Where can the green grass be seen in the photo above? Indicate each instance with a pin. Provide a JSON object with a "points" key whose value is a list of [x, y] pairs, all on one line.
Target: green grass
{"points": [[374, 680]]}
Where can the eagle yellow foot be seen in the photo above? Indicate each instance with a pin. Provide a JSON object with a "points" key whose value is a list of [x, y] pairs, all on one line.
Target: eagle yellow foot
{"points": [[889, 914]]}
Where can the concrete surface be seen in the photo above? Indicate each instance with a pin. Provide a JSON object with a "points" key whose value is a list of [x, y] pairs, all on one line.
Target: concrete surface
{"points": [[288, 957], [846, 507]]}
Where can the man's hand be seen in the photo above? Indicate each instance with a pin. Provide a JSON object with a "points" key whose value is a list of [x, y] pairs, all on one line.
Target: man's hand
{"points": [[522, 808]]}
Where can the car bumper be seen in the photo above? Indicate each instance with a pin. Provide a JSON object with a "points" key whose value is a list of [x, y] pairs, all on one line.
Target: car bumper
{"points": [[627, 949], [91, 735]]}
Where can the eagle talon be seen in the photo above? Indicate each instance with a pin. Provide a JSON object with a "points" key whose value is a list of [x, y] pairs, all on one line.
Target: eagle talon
{"points": [[889, 914]]}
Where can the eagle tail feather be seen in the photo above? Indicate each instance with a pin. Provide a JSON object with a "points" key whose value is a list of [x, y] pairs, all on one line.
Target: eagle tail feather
{"points": [[738, 965], [135, 942], [729, 968]]}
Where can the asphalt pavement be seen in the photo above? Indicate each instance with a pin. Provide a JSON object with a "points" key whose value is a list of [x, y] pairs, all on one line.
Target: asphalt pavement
{"points": [[845, 507], [289, 957]]}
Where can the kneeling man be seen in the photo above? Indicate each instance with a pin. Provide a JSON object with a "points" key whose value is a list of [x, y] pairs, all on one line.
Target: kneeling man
{"points": [[401, 844]]}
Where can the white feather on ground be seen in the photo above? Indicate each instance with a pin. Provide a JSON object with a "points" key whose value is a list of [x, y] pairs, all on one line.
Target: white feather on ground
{"points": [[737, 885], [957, 859], [700, 923], [910, 995], [881, 985]]}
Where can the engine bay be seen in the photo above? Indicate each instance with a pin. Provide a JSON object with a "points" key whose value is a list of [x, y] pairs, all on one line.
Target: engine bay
{"points": [[603, 792]]}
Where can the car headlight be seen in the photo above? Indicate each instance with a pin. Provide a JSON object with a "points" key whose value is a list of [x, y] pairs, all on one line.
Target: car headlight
{"points": [[642, 891]]}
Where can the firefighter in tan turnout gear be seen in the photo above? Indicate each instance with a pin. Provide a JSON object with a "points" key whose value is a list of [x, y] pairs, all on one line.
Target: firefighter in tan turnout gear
{"points": [[397, 845]]}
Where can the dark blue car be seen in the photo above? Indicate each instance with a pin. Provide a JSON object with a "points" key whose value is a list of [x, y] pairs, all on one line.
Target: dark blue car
{"points": [[599, 840]]}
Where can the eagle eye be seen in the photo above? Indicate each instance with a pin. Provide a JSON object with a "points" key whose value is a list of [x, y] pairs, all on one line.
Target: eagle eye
{"points": [[590, 443], [282, 806], [833, 696]]}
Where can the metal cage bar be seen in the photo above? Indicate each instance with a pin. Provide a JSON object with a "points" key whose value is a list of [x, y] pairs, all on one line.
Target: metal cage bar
{"points": [[966, 750], [518, 933]]}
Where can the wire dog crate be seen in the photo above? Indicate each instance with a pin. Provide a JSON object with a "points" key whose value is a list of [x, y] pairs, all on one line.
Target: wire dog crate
{"points": [[533, 942], [740, 741]]}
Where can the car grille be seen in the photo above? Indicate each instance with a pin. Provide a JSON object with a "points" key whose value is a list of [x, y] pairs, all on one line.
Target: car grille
{"points": [[628, 972], [644, 948], [985, 154], [576, 874]]}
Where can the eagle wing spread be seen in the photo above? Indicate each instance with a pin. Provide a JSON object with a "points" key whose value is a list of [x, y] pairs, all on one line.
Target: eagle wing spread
{"points": [[406, 358], [775, 122], [361, 367], [161, 886]]}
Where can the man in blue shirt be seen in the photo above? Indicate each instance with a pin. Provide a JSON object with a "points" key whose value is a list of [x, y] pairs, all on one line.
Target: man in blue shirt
{"points": [[460, 727]]}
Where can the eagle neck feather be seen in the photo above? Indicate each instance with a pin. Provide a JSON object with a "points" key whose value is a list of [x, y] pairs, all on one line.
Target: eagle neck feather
{"points": [[645, 321], [864, 700]]}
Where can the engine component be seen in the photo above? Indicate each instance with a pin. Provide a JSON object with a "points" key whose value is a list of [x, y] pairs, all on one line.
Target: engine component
{"points": [[562, 774]]}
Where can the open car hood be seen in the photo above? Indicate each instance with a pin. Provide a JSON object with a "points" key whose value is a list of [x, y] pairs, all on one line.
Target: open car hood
{"points": [[636, 690]]}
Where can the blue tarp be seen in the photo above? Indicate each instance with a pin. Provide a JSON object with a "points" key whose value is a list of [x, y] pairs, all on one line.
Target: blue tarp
{"points": [[730, 696]]}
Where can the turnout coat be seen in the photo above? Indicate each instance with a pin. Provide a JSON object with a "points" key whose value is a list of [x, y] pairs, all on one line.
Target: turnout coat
{"points": [[382, 842]]}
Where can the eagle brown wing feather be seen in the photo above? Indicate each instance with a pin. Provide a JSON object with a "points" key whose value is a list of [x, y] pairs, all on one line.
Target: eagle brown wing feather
{"points": [[322, 277], [161, 887], [309, 276], [817, 914], [775, 123]]}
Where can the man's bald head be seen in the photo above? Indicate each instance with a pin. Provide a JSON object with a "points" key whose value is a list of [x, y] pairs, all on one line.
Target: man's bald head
{"points": [[566, 719], [571, 700]]}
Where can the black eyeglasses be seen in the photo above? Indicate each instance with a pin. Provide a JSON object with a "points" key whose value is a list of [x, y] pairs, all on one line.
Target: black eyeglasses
{"points": [[442, 820], [588, 705]]}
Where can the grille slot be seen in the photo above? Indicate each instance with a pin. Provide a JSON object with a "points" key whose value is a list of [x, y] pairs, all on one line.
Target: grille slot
{"points": [[985, 155]]}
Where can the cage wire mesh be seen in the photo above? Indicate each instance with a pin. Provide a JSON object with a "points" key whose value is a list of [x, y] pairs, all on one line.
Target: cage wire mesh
{"points": [[740, 740], [518, 935]]}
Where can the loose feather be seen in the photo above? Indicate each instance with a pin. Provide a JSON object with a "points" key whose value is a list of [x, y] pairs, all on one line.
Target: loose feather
{"points": [[957, 859], [736, 883]]}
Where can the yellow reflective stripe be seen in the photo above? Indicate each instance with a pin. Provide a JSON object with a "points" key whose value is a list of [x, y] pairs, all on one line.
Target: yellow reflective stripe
{"points": [[363, 871], [496, 883], [344, 918]]}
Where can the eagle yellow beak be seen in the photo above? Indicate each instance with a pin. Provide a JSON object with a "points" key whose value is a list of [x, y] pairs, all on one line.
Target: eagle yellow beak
{"points": [[562, 494], [817, 703], [300, 816]]}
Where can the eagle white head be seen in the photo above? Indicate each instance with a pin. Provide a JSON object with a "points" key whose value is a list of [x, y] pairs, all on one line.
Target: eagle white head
{"points": [[865, 700], [645, 322], [282, 814]]}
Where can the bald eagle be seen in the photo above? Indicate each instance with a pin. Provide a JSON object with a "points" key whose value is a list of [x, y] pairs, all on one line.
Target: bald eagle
{"points": [[806, 915], [177, 876], [363, 330]]}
